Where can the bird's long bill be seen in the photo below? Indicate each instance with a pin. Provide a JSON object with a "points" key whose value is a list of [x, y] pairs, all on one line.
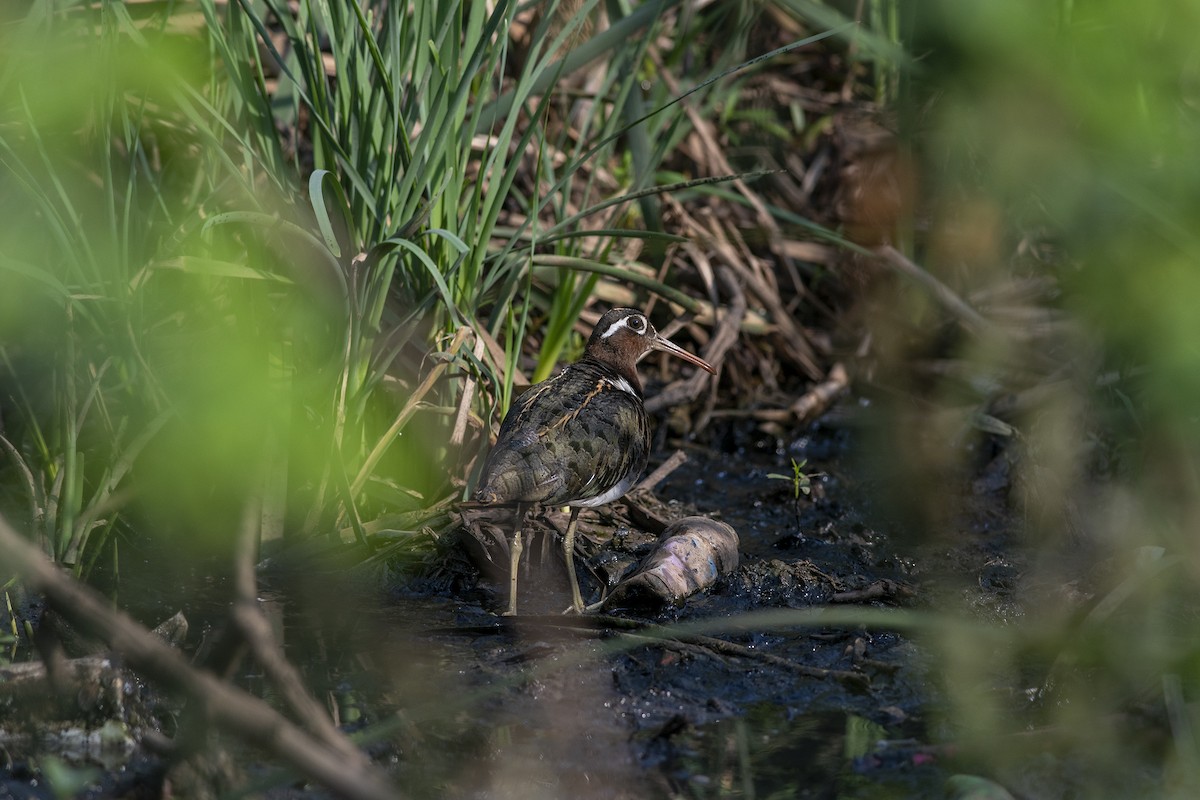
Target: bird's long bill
{"points": [[667, 346]]}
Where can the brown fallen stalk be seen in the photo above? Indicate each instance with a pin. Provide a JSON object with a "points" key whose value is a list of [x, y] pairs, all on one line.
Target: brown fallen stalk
{"points": [[806, 408], [674, 462], [849, 678], [723, 339], [603, 624], [878, 590], [236, 712], [960, 308]]}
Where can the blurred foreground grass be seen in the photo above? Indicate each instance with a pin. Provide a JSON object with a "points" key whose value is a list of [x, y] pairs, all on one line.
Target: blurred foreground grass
{"points": [[184, 321], [1059, 141]]}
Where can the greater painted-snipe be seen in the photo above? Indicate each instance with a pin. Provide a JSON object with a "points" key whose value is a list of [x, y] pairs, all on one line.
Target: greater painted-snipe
{"points": [[579, 439]]}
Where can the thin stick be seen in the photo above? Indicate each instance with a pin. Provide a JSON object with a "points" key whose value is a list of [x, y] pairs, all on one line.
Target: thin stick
{"points": [[940, 291], [659, 475], [741, 651], [807, 407], [634, 629], [468, 396], [406, 413]]}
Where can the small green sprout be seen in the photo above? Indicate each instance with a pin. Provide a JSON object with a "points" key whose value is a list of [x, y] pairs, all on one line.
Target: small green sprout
{"points": [[801, 481]]}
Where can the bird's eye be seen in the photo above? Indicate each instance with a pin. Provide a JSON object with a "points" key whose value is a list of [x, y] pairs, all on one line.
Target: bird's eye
{"points": [[637, 323]]}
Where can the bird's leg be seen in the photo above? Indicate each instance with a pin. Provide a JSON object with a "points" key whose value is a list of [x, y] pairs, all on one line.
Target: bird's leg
{"points": [[546, 546], [569, 552], [515, 546]]}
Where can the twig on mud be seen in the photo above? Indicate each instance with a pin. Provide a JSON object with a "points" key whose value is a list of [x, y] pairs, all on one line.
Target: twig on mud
{"points": [[677, 460], [856, 680], [596, 624], [644, 515], [879, 590], [235, 711], [941, 292], [857, 651]]}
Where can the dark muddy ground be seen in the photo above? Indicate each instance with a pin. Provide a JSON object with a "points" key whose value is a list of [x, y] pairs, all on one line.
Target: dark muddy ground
{"points": [[551, 706]]}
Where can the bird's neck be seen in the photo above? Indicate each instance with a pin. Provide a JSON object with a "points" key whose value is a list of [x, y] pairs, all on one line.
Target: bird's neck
{"points": [[613, 370]]}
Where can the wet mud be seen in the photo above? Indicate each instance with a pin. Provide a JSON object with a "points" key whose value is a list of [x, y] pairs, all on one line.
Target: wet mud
{"points": [[461, 703]]}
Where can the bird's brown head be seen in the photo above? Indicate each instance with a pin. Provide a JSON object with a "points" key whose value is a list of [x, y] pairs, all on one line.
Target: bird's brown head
{"points": [[624, 335]]}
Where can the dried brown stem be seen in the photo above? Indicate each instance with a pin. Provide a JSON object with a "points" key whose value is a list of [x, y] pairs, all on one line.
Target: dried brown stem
{"points": [[846, 677], [878, 590], [807, 407], [406, 413], [723, 338], [960, 308], [467, 397]]}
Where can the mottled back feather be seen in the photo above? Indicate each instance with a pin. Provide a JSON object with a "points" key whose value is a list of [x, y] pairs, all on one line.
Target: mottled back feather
{"points": [[569, 439]]}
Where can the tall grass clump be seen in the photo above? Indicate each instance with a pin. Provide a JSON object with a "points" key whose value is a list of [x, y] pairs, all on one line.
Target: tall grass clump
{"points": [[269, 252], [457, 189], [1058, 145]]}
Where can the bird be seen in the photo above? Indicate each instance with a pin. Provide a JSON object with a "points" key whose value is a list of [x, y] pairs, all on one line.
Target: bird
{"points": [[580, 438]]}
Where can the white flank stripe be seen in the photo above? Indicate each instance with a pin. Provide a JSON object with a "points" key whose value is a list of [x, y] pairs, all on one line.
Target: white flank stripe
{"points": [[612, 494]]}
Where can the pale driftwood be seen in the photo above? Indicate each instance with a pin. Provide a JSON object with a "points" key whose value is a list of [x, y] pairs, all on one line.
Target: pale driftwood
{"points": [[233, 710], [692, 555], [813, 403], [77, 688]]}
